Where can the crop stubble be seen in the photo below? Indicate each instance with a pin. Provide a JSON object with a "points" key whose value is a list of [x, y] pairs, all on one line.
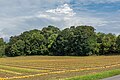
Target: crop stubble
{"points": [[54, 67]]}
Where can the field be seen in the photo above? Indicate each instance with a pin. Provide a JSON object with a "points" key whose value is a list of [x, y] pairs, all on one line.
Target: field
{"points": [[54, 67]]}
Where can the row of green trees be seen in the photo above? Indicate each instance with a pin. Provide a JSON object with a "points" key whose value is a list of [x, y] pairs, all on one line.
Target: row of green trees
{"points": [[73, 41]]}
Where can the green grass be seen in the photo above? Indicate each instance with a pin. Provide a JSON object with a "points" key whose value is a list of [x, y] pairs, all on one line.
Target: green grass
{"points": [[22, 70], [97, 76]]}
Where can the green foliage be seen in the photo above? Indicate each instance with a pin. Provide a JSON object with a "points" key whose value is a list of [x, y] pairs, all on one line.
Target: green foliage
{"points": [[107, 43], [16, 49], [33, 42], [118, 44], [73, 41], [2, 47]]}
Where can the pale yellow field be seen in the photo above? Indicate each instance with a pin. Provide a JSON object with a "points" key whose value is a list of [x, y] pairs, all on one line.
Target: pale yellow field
{"points": [[54, 67]]}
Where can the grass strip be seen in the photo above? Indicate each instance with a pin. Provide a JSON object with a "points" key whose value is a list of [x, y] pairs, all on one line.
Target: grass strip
{"points": [[21, 70], [12, 72], [97, 76]]}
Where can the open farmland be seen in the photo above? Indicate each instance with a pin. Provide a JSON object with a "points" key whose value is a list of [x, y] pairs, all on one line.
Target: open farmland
{"points": [[54, 67]]}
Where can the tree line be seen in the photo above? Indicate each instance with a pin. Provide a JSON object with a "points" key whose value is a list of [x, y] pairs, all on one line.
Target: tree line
{"points": [[73, 41]]}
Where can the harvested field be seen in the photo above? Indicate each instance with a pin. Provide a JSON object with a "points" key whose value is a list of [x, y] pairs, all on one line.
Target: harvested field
{"points": [[54, 67]]}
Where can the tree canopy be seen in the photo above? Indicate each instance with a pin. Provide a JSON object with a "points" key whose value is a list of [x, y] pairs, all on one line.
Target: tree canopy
{"points": [[73, 41]]}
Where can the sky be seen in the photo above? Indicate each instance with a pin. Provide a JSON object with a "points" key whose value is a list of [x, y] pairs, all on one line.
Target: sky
{"points": [[17, 16]]}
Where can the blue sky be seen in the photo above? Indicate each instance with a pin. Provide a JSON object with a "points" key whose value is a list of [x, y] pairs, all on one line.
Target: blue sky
{"points": [[17, 16]]}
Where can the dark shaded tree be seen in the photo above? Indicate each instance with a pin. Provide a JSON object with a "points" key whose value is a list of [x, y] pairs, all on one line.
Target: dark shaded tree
{"points": [[2, 47]]}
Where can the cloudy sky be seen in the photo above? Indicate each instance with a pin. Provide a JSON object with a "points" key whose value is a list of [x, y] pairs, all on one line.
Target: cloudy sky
{"points": [[17, 16]]}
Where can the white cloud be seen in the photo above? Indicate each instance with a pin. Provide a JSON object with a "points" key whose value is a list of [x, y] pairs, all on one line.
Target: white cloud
{"points": [[63, 12], [12, 26], [3, 35], [64, 9], [46, 16], [17, 16], [63, 16], [66, 15]]}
